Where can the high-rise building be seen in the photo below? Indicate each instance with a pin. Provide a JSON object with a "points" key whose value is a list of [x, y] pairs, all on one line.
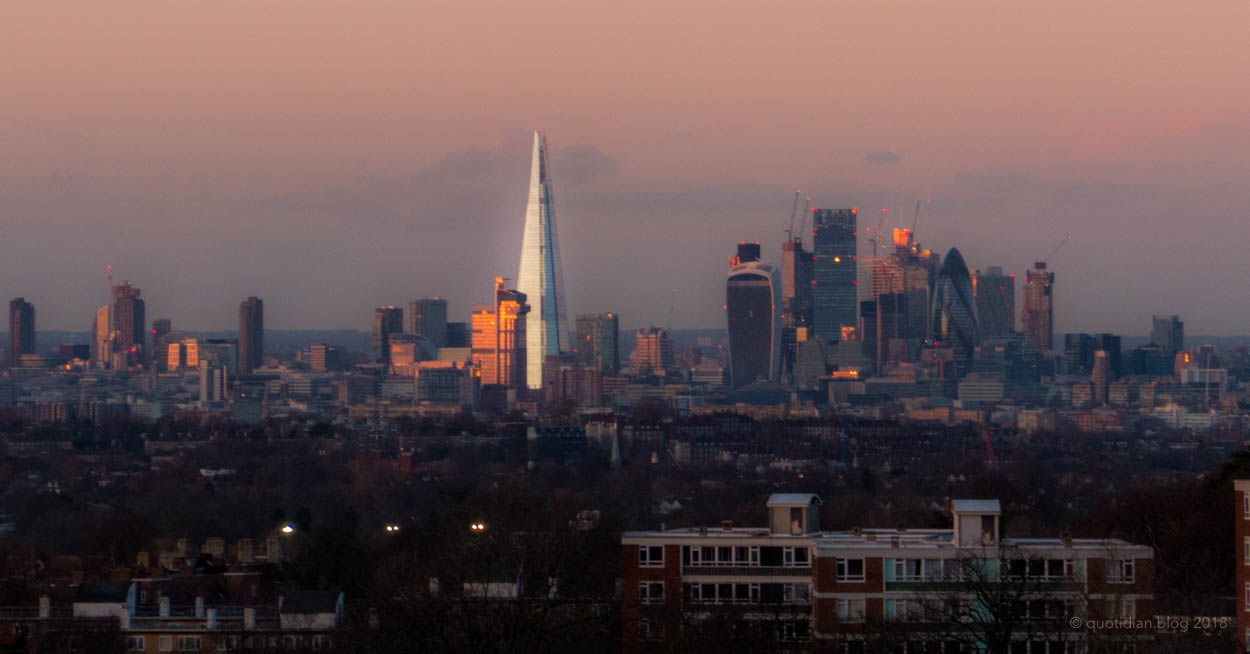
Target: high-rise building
{"points": [[954, 322], [653, 350], [458, 334], [796, 298], [102, 336], [499, 343], [21, 329], [996, 302], [541, 275], [1168, 332], [129, 333], [322, 357], [747, 252], [428, 317], [160, 327], [251, 335], [1037, 319], [1100, 376], [597, 341], [835, 297], [386, 321], [752, 293], [1110, 343]]}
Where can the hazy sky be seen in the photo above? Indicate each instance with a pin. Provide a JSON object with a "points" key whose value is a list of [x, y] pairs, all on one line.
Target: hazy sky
{"points": [[331, 157]]}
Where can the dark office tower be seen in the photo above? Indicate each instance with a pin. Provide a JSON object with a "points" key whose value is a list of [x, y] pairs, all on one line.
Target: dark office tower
{"points": [[129, 334], [796, 298], [954, 318], [1168, 332], [457, 334], [386, 321], [1078, 354], [891, 324], [996, 302], [868, 331], [596, 343], [160, 327], [752, 293], [747, 252], [1110, 343], [21, 330], [251, 335], [1037, 319], [835, 297], [428, 317]]}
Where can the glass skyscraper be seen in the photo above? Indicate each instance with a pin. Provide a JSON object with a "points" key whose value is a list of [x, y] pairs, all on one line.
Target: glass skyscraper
{"points": [[954, 316], [541, 276], [835, 297], [753, 315]]}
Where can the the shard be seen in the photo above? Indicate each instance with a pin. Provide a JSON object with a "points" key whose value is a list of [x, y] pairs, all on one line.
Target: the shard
{"points": [[541, 277]]}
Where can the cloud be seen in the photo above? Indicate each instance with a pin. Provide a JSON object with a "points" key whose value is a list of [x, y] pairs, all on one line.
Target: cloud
{"points": [[882, 157], [582, 164]]}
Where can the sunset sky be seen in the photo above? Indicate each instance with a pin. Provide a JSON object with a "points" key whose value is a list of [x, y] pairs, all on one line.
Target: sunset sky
{"points": [[331, 157]]}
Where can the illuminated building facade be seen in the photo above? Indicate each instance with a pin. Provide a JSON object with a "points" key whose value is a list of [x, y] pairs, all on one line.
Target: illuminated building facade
{"points": [[835, 297], [752, 290], [653, 350], [1037, 318], [102, 336], [541, 275], [386, 321], [499, 343]]}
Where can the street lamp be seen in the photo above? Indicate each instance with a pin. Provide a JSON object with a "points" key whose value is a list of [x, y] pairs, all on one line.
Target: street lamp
{"points": [[288, 529]]}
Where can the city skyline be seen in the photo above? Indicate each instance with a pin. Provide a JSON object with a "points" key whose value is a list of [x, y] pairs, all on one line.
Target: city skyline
{"points": [[348, 200]]}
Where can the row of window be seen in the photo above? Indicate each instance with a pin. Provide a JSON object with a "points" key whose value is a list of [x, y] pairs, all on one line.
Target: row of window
{"points": [[746, 556], [652, 556], [224, 643], [700, 593], [1055, 646]]}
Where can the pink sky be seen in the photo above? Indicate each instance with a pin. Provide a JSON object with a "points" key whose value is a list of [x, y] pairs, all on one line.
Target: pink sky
{"points": [[331, 157]]}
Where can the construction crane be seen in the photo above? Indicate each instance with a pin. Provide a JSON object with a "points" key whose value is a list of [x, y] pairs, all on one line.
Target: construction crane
{"points": [[1058, 247], [877, 237], [916, 218], [671, 306], [803, 218], [794, 209]]}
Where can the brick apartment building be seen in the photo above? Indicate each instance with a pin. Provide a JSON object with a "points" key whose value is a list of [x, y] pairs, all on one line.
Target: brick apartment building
{"points": [[961, 589]]}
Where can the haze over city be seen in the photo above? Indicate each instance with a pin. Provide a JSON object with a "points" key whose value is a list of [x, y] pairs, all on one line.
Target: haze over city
{"points": [[334, 159]]}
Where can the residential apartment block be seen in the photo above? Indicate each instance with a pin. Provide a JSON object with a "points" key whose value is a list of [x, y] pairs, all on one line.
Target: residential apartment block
{"points": [[960, 589]]}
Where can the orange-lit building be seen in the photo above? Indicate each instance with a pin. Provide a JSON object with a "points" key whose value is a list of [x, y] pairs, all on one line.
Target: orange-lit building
{"points": [[653, 350], [498, 347]]}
